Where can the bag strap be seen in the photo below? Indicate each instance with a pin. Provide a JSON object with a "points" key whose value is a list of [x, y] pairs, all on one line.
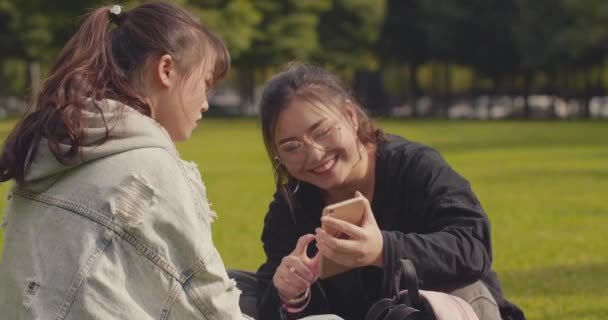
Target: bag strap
{"points": [[407, 272], [402, 312], [380, 309], [397, 308]]}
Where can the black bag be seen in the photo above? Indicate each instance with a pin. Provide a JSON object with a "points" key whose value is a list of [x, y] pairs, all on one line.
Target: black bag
{"points": [[414, 304]]}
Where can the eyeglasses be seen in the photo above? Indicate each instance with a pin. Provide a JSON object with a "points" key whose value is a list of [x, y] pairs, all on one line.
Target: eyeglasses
{"points": [[324, 137]]}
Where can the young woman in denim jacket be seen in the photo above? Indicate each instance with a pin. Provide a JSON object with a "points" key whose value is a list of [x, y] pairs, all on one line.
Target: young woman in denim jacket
{"points": [[324, 150], [104, 220]]}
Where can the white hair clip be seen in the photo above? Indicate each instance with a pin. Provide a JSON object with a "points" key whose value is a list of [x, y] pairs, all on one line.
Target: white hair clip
{"points": [[116, 10], [117, 15]]}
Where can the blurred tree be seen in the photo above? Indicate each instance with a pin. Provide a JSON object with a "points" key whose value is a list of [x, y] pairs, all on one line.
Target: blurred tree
{"points": [[7, 41], [585, 44], [37, 30], [489, 50], [536, 29], [347, 33], [555, 47], [287, 31], [475, 33], [451, 28], [403, 40], [29, 36], [8, 13], [234, 20], [237, 22]]}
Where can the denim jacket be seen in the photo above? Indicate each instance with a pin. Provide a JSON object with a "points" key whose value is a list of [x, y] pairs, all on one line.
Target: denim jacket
{"points": [[122, 234]]}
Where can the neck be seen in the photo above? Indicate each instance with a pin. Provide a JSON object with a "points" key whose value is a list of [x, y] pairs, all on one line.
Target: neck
{"points": [[361, 178], [152, 103]]}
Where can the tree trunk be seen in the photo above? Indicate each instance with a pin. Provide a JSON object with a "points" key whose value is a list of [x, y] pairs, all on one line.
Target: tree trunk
{"points": [[2, 67], [446, 90], [568, 84], [435, 82], [34, 79], [587, 94], [414, 87], [600, 79], [369, 89], [246, 85], [512, 93], [496, 87], [563, 83], [526, 93], [474, 92], [551, 88]]}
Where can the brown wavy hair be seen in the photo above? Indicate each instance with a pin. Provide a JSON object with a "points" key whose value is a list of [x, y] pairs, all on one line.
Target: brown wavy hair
{"points": [[105, 59], [318, 87]]}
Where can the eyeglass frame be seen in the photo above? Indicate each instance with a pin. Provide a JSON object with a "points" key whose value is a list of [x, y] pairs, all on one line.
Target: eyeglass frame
{"points": [[306, 141]]}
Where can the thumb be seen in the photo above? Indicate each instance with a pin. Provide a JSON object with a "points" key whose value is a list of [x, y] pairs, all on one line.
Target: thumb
{"points": [[302, 245], [314, 264]]}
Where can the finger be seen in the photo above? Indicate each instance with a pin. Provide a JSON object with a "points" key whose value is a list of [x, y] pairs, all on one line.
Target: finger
{"points": [[314, 265], [338, 257], [284, 286], [349, 229], [293, 283], [302, 245], [349, 246], [299, 267]]}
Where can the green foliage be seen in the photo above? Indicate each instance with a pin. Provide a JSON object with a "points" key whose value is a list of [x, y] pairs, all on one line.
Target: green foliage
{"points": [[234, 20], [536, 27], [39, 28], [348, 33], [8, 14], [586, 34], [507, 42], [13, 77], [287, 31], [403, 36]]}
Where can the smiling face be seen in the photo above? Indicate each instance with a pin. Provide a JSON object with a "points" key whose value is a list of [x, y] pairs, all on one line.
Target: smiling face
{"points": [[317, 145]]}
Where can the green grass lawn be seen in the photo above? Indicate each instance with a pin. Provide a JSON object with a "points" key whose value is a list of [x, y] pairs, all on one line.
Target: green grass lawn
{"points": [[543, 184]]}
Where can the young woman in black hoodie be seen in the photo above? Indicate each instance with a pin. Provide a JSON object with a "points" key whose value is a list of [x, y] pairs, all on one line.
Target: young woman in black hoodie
{"points": [[324, 150]]}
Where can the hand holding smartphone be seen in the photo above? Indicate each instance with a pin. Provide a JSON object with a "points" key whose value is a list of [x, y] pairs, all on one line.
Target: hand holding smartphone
{"points": [[351, 211]]}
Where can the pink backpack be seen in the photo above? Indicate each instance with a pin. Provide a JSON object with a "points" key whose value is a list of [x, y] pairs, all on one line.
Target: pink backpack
{"points": [[414, 304]]}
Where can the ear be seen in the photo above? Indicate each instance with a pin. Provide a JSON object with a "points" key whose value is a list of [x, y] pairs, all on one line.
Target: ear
{"points": [[164, 71], [351, 114]]}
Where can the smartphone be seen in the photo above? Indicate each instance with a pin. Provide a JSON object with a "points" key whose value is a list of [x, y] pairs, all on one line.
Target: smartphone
{"points": [[351, 211]]}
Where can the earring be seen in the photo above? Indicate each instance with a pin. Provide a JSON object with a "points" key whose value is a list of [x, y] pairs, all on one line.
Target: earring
{"points": [[277, 177], [276, 171]]}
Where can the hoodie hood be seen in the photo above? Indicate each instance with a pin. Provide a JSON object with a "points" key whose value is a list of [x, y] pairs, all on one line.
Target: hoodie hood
{"points": [[127, 129]]}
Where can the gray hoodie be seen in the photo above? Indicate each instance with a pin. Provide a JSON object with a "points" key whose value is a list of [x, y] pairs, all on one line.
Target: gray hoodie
{"points": [[123, 234]]}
